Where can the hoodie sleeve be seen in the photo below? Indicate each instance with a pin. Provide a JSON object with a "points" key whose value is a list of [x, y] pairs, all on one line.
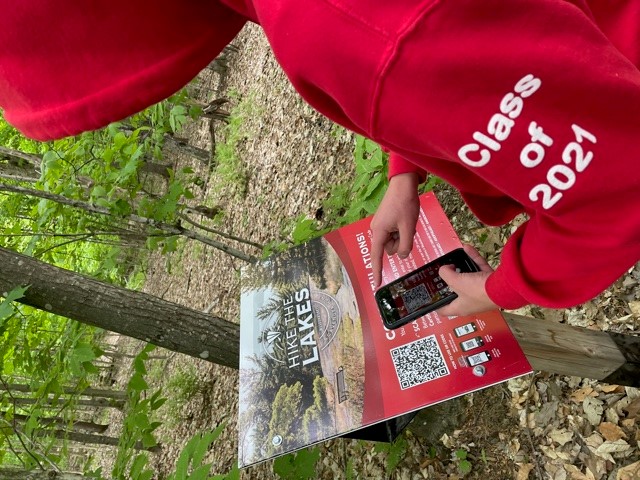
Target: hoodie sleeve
{"points": [[66, 68], [534, 100], [398, 165]]}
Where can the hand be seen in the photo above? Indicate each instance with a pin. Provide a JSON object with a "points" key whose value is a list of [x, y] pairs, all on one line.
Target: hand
{"points": [[394, 224], [470, 287]]}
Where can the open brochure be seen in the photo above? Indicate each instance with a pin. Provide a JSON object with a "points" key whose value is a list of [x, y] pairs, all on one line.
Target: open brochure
{"points": [[317, 362]]}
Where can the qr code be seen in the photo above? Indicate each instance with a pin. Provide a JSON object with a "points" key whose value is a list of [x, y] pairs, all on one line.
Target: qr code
{"points": [[419, 362], [416, 297]]}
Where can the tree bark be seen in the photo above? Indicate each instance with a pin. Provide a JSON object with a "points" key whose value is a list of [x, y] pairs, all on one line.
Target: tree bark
{"points": [[177, 145], [20, 474], [87, 392], [130, 313], [87, 438], [91, 427], [94, 402], [33, 160]]}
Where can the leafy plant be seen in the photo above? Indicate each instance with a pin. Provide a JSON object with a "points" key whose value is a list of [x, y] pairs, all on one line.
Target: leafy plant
{"points": [[190, 464], [229, 169], [103, 168], [349, 202], [300, 465], [395, 452], [464, 465], [137, 426]]}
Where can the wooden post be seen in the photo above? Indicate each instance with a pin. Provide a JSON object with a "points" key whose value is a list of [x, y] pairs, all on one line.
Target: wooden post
{"points": [[555, 348], [559, 348]]}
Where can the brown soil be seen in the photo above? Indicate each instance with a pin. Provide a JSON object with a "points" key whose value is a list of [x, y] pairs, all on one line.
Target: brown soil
{"points": [[291, 156]]}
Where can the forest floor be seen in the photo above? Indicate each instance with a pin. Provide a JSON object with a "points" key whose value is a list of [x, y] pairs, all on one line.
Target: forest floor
{"points": [[540, 426]]}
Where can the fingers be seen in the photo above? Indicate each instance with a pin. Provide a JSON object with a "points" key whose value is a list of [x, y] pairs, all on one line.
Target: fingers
{"points": [[393, 225], [392, 243], [405, 240], [449, 275], [378, 242], [477, 258], [470, 287]]}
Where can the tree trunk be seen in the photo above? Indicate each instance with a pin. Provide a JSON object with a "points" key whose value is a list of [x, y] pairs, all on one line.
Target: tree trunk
{"points": [[8, 171], [87, 438], [20, 474], [130, 313], [94, 402], [176, 145], [61, 422], [87, 392], [167, 228], [161, 169], [20, 158]]}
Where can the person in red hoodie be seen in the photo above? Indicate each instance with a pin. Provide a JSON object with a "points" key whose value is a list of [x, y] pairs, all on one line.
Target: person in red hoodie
{"points": [[526, 106]]}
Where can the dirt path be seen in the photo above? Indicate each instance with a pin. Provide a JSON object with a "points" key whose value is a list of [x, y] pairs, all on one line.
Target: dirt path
{"points": [[541, 426]]}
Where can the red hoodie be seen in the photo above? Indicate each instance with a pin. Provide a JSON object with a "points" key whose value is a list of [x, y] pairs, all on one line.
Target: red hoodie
{"points": [[523, 105]]}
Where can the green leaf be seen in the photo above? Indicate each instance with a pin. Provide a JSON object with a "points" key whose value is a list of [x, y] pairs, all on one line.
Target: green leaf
{"points": [[138, 465], [182, 464], [283, 466], [234, 473], [119, 140], [98, 191], [301, 465], [138, 383], [156, 404], [304, 230], [121, 207], [148, 440], [202, 446], [15, 294], [102, 202], [397, 452], [200, 473], [84, 352], [461, 454], [141, 420], [465, 466]]}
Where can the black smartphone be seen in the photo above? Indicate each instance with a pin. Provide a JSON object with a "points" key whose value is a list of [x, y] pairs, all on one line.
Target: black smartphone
{"points": [[421, 291]]}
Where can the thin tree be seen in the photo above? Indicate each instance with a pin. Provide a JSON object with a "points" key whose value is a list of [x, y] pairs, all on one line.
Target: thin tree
{"points": [[134, 314], [167, 228], [7, 473]]}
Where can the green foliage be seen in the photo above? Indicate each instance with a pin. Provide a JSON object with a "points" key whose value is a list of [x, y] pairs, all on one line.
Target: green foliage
{"points": [[190, 464], [300, 465], [102, 168], [350, 202], [464, 465], [182, 386], [229, 170], [11, 138], [6, 307], [137, 425], [43, 354], [395, 452]]}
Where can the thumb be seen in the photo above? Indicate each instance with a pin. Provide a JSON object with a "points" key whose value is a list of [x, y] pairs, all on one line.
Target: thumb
{"points": [[449, 275]]}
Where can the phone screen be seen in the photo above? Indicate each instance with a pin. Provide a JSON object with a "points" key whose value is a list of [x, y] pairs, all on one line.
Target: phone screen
{"points": [[420, 291]]}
